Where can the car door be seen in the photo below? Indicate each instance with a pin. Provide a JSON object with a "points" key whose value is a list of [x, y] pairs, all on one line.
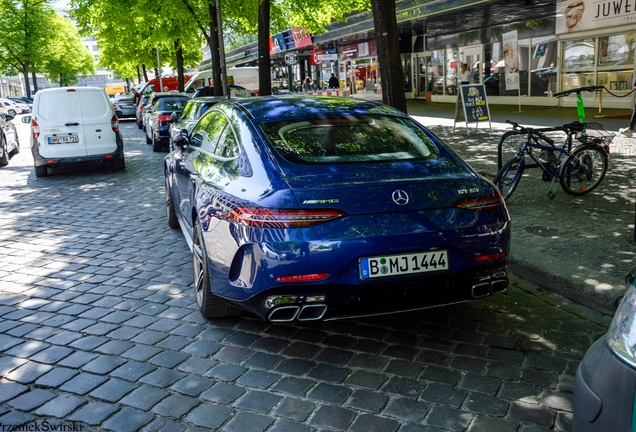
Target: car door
{"points": [[97, 114], [191, 161]]}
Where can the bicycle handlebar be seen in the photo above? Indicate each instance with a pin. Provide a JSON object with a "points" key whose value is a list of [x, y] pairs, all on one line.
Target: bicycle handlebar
{"points": [[539, 132], [578, 90]]}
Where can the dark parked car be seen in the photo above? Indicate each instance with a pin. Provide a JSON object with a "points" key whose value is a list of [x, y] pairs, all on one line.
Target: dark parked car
{"points": [[160, 120], [191, 114], [148, 108], [496, 86], [209, 91], [124, 106], [140, 109], [605, 382], [9, 141], [323, 208]]}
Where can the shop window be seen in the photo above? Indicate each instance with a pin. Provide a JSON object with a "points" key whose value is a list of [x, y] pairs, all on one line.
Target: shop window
{"points": [[578, 63], [615, 62], [544, 68]]}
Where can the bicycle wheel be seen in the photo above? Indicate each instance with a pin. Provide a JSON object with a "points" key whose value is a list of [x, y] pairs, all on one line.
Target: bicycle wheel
{"points": [[509, 176], [509, 144], [584, 169]]}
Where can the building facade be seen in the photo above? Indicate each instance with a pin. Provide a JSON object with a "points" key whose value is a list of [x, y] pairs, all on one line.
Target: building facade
{"points": [[523, 51]]}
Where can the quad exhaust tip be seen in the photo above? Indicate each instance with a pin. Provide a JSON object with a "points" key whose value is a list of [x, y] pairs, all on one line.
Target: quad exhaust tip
{"points": [[308, 312], [488, 288]]}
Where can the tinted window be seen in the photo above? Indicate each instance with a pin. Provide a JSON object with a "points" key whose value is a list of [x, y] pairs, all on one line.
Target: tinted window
{"points": [[228, 145], [171, 104], [207, 131], [349, 140]]}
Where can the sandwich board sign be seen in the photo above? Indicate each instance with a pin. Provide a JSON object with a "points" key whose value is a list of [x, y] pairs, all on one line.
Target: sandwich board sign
{"points": [[472, 105]]}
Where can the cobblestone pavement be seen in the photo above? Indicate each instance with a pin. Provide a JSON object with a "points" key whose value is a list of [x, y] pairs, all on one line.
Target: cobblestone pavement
{"points": [[99, 330]]}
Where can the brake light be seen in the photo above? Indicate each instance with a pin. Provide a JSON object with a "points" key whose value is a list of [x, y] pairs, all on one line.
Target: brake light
{"points": [[35, 129], [114, 123], [489, 202], [490, 257], [282, 218], [141, 107], [163, 118], [303, 278]]}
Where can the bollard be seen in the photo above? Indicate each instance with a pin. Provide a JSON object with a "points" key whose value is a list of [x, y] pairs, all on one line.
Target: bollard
{"points": [[600, 102]]}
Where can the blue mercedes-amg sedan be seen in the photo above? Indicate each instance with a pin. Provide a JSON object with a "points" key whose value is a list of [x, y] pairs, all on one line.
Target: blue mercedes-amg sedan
{"points": [[300, 208]]}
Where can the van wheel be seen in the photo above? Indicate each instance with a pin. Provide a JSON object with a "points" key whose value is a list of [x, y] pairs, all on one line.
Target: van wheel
{"points": [[4, 159], [40, 171]]}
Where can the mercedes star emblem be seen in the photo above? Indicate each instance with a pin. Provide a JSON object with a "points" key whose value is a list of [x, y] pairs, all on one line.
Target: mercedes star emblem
{"points": [[400, 197]]}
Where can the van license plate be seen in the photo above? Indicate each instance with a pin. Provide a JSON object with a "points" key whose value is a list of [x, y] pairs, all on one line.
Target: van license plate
{"points": [[64, 139], [399, 265]]}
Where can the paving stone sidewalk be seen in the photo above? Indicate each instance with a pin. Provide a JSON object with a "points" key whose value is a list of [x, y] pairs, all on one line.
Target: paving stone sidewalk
{"points": [[580, 247]]}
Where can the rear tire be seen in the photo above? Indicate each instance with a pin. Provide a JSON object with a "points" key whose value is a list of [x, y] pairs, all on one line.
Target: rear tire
{"points": [[16, 150], [119, 164], [12, 112], [138, 124], [148, 140], [509, 176], [156, 145], [40, 171], [173, 222], [211, 306], [584, 170], [4, 159]]}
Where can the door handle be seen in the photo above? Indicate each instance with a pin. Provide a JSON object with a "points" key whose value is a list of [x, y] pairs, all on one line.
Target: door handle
{"points": [[72, 124]]}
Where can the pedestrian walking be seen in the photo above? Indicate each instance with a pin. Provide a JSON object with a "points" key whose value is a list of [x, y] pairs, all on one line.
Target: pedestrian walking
{"points": [[307, 85], [334, 83], [632, 122], [136, 97]]}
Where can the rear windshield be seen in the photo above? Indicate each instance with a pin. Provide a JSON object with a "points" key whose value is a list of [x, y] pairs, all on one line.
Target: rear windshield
{"points": [[172, 104], [321, 140]]}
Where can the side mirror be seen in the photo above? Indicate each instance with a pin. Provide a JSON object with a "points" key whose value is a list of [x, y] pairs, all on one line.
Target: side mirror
{"points": [[26, 119], [174, 117], [8, 117], [181, 140]]}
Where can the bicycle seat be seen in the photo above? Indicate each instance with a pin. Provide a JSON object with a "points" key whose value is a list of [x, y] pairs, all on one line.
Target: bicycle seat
{"points": [[575, 126]]}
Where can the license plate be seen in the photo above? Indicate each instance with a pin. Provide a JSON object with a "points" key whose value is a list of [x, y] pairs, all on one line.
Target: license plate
{"points": [[64, 139], [399, 265]]}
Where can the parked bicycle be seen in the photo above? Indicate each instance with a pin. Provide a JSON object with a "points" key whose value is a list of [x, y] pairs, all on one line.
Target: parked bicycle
{"points": [[511, 140], [579, 171]]}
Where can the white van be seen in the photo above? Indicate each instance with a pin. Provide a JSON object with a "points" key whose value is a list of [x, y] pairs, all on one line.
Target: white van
{"points": [[246, 77], [74, 124]]}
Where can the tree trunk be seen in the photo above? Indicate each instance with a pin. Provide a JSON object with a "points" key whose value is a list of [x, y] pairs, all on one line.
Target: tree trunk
{"points": [[138, 74], [264, 74], [143, 67], [179, 53], [35, 82], [213, 43], [387, 40], [61, 80], [25, 74]]}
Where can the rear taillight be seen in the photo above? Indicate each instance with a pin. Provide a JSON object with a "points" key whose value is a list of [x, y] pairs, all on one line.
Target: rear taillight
{"points": [[163, 118], [141, 107], [114, 123], [490, 202], [35, 129], [282, 218]]}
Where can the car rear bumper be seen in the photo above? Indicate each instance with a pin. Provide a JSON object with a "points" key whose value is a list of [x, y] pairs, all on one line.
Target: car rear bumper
{"points": [[39, 160], [603, 391], [339, 301]]}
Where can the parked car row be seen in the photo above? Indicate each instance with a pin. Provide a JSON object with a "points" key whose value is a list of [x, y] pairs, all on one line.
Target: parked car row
{"points": [[9, 140]]}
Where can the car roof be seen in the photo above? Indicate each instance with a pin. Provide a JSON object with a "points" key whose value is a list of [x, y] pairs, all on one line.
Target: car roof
{"points": [[275, 107], [203, 99]]}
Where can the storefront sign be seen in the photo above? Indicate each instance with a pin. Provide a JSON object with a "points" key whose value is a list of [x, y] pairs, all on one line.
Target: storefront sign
{"points": [[326, 57], [291, 58], [277, 44], [511, 60], [579, 15], [472, 105], [301, 37]]}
